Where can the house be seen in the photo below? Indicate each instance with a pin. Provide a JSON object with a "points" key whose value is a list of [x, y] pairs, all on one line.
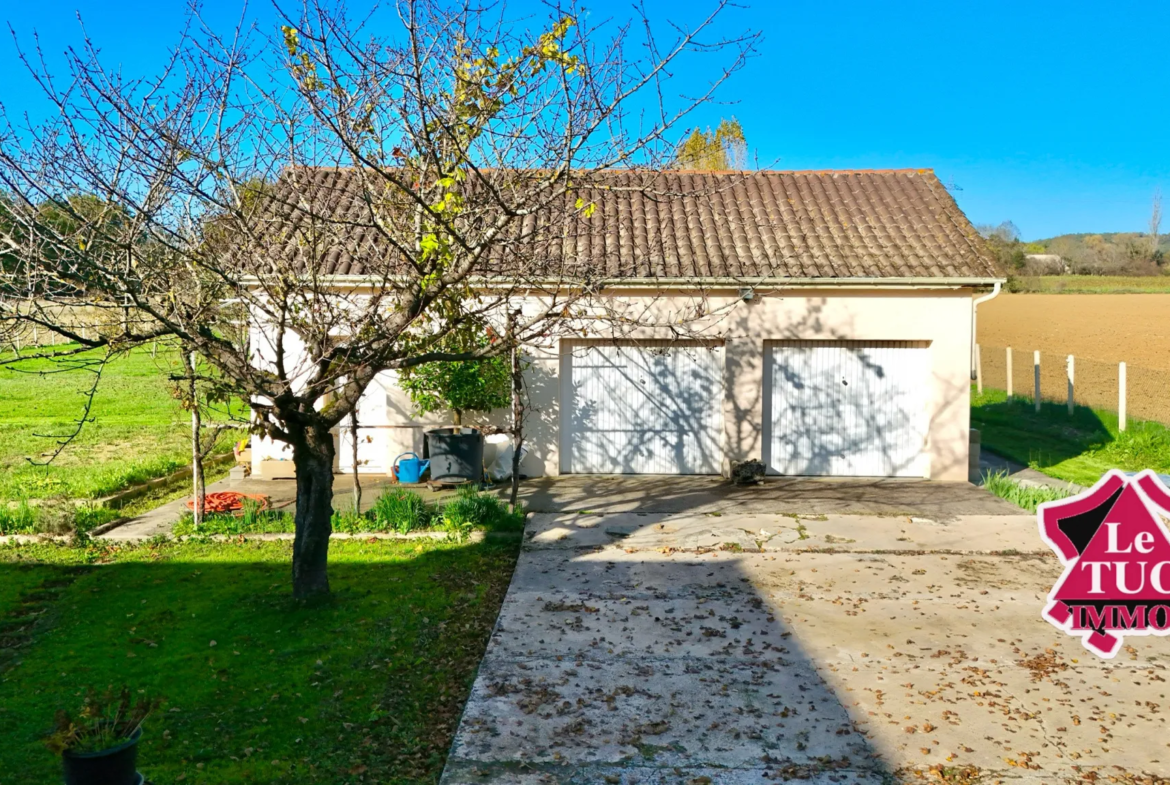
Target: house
{"points": [[1045, 264], [836, 339]]}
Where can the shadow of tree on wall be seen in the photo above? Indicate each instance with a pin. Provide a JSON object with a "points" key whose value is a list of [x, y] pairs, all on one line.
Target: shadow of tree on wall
{"points": [[831, 404], [645, 407]]}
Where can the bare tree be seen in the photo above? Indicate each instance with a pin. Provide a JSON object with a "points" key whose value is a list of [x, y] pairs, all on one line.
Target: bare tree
{"points": [[307, 209], [1155, 222]]}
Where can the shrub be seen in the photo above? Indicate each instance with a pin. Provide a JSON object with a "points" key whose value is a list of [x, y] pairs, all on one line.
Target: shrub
{"points": [[400, 510], [478, 385], [471, 509]]}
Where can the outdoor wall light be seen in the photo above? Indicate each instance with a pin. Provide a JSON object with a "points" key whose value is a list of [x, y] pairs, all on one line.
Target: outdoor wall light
{"points": [[747, 295]]}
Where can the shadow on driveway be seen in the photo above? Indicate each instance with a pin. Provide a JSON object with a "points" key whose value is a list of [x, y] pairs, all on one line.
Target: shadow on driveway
{"points": [[779, 495]]}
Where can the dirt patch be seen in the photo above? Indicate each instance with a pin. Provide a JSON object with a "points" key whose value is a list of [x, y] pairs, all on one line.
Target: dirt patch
{"points": [[1099, 330]]}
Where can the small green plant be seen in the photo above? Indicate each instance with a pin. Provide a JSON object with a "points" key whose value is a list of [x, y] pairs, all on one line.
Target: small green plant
{"points": [[349, 522], [87, 516], [471, 509], [1025, 497], [226, 523], [106, 720], [250, 513], [20, 519], [400, 510]]}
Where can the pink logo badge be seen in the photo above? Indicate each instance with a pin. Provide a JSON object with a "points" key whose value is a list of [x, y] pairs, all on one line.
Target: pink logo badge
{"points": [[1116, 556]]}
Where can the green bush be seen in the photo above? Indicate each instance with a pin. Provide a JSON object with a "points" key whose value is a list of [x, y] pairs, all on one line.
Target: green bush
{"points": [[397, 510], [401, 510], [471, 509]]}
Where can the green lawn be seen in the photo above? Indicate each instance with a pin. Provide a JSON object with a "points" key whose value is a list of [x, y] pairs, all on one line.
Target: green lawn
{"points": [[139, 431], [1076, 449], [367, 687]]}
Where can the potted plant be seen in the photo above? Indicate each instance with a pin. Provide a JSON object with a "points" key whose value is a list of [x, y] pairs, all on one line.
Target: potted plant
{"points": [[459, 386], [100, 745]]}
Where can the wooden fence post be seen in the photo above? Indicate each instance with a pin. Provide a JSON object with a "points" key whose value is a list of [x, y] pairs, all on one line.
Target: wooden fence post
{"points": [[1009, 373], [978, 370], [1121, 396], [1071, 383], [1036, 378]]}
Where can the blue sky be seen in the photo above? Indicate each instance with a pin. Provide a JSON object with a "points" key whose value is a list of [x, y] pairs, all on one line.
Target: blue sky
{"points": [[1053, 115]]}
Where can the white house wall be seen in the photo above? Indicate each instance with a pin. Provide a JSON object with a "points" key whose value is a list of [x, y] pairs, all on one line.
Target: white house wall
{"points": [[939, 318]]}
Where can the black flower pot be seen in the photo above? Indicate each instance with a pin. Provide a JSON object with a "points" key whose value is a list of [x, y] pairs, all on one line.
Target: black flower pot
{"points": [[115, 766], [455, 456]]}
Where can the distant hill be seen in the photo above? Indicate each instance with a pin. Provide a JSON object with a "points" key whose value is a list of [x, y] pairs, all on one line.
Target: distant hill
{"points": [[1106, 252]]}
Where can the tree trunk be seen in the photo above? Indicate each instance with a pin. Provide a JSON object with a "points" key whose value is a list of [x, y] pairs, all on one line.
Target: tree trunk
{"points": [[313, 453], [517, 423], [357, 485], [199, 489], [457, 415]]}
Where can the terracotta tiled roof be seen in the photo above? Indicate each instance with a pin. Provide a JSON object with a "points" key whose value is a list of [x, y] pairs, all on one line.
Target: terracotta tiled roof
{"points": [[680, 225]]}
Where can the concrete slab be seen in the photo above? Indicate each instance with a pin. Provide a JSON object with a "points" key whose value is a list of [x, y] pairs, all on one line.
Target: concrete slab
{"points": [[770, 532], [624, 655], [780, 495]]}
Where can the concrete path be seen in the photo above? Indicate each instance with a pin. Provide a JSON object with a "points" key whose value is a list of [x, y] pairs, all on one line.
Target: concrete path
{"points": [[751, 648]]}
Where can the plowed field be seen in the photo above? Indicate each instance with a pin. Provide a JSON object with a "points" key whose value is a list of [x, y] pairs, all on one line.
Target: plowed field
{"points": [[1099, 330]]}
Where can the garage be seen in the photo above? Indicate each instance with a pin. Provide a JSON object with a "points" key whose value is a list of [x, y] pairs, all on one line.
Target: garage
{"points": [[650, 407], [847, 408], [373, 435]]}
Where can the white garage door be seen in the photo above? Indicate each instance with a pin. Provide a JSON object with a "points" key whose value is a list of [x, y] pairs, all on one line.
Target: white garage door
{"points": [[654, 407], [847, 408]]}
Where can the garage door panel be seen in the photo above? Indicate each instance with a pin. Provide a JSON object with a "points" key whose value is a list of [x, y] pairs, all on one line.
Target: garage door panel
{"points": [[643, 409], [848, 408]]}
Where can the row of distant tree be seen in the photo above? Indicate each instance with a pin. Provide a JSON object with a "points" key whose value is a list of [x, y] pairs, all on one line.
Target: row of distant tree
{"points": [[1112, 253]]}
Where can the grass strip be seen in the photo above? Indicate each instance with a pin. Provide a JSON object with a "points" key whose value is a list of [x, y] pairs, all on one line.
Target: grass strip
{"points": [[366, 686], [1078, 448]]}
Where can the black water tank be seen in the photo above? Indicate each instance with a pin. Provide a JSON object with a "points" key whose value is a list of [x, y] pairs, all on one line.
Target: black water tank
{"points": [[455, 456]]}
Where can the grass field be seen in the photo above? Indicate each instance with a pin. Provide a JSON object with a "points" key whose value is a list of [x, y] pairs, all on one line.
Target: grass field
{"points": [[138, 431], [1092, 284], [367, 687], [1076, 449]]}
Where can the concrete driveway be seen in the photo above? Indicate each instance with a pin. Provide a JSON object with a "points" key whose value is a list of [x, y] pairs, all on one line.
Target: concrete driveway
{"points": [[751, 647], [783, 495]]}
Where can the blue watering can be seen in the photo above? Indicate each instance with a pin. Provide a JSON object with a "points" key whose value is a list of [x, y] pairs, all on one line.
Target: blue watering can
{"points": [[409, 470]]}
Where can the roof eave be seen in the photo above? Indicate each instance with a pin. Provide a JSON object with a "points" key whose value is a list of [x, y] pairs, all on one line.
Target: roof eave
{"points": [[906, 282]]}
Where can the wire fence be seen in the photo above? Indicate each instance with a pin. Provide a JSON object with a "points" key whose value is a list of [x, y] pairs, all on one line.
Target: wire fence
{"points": [[19, 335], [1095, 384]]}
